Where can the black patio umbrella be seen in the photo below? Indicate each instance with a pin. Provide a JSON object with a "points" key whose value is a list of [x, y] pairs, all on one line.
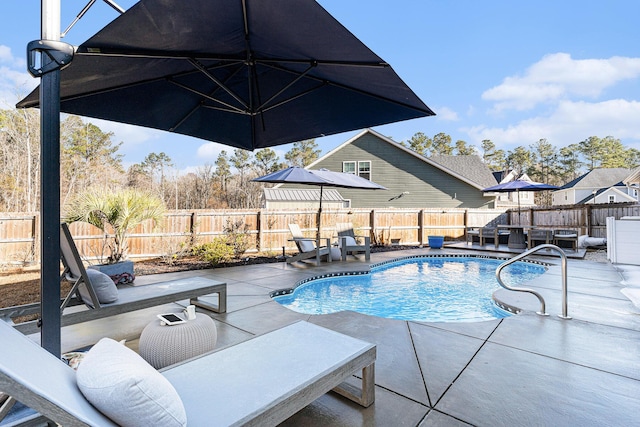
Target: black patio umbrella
{"points": [[322, 178], [517, 186], [245, 73]]}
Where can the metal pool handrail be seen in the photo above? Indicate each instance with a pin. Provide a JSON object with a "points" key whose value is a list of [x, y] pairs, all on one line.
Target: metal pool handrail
{"points": [[563, 257]]}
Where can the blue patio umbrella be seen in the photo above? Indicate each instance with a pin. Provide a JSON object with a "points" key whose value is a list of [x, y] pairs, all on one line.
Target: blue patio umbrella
{"points": [[321, 178], [517, 186]]}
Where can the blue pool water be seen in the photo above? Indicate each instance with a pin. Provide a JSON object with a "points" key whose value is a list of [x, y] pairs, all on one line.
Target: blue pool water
{"points": [[422, 289]]}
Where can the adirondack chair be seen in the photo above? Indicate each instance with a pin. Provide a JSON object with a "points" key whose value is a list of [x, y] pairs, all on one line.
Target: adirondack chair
{"points": [[307, 247], [348, 243]]}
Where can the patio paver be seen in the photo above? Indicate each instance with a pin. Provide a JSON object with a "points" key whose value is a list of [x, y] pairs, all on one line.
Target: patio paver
{"points": [[522, 370]]}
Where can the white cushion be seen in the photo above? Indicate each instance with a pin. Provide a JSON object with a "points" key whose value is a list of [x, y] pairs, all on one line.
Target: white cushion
{"points": [[349, 241], [306, 245], [105, 289], [125, 388]]}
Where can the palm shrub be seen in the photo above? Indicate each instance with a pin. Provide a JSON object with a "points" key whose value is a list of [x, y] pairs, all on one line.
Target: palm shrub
{"points": [[117, 212]]}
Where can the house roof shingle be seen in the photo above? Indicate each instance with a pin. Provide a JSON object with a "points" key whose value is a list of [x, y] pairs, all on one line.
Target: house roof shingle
{"points": [[599, 178], [470, 167]]}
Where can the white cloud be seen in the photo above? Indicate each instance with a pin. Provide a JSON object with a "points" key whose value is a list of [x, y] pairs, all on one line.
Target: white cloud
{"points": [[210, 151], [128, 134], [15, 82], [569, 123], [557, 77], [446, 114], [5, 54]]}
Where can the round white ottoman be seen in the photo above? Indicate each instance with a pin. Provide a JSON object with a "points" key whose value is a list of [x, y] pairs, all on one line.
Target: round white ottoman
{"points": [[164, 345]]}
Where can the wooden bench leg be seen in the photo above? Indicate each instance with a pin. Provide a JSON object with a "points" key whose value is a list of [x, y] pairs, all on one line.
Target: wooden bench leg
{"points": [[221, 307], [366, 394]]}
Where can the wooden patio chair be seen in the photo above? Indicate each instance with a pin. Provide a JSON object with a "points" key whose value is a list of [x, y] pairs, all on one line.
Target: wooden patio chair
{"points": [[489, 234], [347, 241], [539, 235], [253, 383], [307, 247], [129, 298], [472, 234], [566, 235]]}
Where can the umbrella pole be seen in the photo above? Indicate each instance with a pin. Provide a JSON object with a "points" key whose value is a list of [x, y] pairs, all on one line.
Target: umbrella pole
{"points": [[319, 220], [518, 194], [50, 334]]}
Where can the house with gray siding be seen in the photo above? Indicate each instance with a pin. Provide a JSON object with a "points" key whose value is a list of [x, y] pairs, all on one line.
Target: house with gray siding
{"points": [[412, 180], [604, 185]]}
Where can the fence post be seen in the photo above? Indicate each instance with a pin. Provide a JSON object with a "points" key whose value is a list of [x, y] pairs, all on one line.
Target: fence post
{"points": [[260, 234], [193, 227], [421, 227], [372, 225]]}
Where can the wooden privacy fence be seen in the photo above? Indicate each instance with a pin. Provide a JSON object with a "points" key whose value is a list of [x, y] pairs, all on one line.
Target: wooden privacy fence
{"points": [[268, 230]]}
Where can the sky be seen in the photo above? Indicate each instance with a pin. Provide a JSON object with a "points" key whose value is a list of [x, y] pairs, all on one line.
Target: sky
{"points": [[510, 71]]}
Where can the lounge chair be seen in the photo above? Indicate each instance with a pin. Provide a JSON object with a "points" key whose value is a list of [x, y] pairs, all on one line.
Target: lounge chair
{"points": [[129, 298], [255, 382], [566, 236], [348, 243], [308, 248]]}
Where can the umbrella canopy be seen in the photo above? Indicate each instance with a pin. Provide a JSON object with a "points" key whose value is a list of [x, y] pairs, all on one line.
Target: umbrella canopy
{"points": [[322, 178], [245, 73], [517, 186]]}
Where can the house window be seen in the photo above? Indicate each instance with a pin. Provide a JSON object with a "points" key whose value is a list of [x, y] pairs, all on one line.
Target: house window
{"points": [[349, 167], [364, 170], [635, 193], [612, 199]]}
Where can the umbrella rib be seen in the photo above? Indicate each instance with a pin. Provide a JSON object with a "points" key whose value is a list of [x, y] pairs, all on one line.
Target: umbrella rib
{"points": [[204, 70], [209, 97], [158, 54], [352, 89], [293, 82], [293, 98]]}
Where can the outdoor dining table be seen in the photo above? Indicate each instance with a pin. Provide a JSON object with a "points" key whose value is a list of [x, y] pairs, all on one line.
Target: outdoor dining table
{"points": [[517, 239]]}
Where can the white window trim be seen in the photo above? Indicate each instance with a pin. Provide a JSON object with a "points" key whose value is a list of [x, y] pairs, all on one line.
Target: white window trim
{"points": [[355, 166], [358, 167]]}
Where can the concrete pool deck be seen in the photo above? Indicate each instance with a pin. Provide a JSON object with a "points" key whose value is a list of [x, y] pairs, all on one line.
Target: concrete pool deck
{"points": [[522, 370]]}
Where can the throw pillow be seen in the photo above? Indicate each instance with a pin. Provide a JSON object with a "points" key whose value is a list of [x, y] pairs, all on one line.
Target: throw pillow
{"points": [[125, 388], [306, 245], [105, 289], [349, 241]]}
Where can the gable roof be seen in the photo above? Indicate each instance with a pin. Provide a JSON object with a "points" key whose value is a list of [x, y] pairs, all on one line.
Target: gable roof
{"points": [[634, 177], [599, 178], [468, 176], [614, 190], [470, 166]]}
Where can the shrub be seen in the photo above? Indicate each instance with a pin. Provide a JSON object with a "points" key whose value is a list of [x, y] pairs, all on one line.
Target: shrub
{"points": [[215, 252], [237, 236]]}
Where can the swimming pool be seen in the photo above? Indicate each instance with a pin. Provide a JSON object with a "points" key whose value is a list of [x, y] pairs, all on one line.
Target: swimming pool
{"points": [[429, 289]]}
